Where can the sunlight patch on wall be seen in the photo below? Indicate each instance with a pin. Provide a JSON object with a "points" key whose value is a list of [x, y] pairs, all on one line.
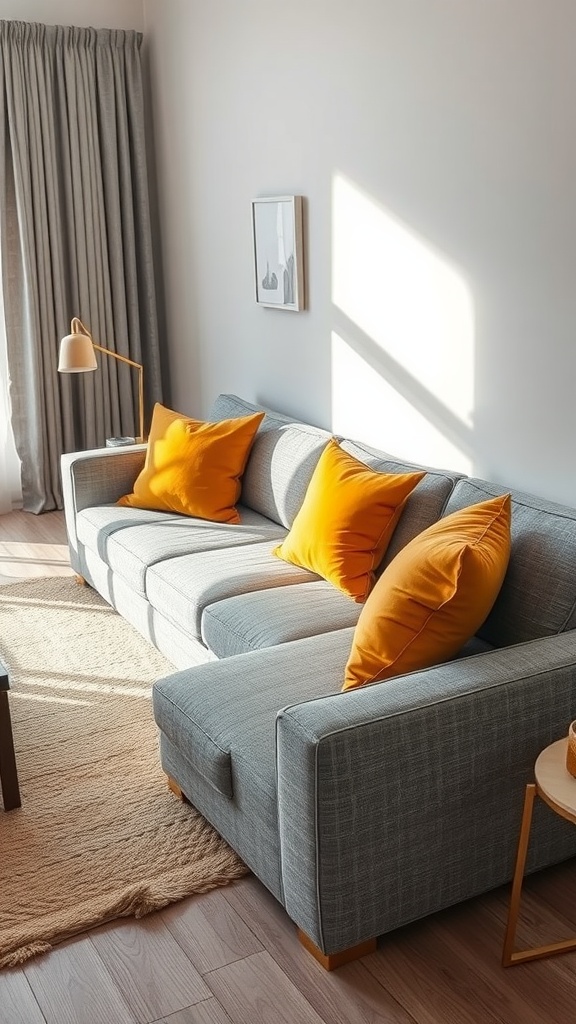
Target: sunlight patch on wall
{"points": [[367, 408], [403, 345]]}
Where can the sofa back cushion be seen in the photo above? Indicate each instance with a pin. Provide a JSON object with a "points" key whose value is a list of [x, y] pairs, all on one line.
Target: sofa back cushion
{"points": [[282, 459], [423, 506], [538, 595]]}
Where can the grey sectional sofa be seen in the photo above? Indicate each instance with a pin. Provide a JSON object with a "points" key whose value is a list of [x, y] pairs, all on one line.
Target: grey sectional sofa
{"points": [[360, 811]]}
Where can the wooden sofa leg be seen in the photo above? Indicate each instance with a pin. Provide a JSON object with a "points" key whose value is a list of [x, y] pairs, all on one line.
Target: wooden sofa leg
{"points": [[80, 580], [330, 961], [175, 788]]}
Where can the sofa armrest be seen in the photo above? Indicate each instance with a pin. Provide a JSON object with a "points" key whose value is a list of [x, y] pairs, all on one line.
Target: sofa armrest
{"points": [[404, 797], [96, 477]]}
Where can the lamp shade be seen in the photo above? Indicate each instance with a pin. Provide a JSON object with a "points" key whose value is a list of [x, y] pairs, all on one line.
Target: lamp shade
{"points": [[76, 354]]}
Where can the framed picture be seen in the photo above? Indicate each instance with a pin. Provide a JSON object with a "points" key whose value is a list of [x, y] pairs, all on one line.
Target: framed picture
{"points": [[278, 257]]}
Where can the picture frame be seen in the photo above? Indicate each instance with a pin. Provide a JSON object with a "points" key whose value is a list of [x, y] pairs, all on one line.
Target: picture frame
{"points": [[278, 252]]}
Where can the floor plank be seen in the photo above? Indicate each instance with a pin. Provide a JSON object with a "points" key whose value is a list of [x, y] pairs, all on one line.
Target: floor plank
{"points": [[17, 1002], [209, 1012], [154, 975], [522, 993], [72, 986], [348, 994], [33, 546], [551, 982], [431, 983], [557, 887], [210, 931], [256, 991]]}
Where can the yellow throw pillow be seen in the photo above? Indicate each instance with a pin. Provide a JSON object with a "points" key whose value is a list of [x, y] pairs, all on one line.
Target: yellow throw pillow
{"points": [[194, 467], [434, 595], [346, 520]]}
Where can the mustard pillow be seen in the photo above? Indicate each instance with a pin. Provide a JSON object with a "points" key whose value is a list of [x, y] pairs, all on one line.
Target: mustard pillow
{"points": [[194, 467], [346, 520], [434, 595]]}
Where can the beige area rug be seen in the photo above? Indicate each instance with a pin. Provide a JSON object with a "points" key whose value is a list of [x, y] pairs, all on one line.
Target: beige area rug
{"points": [[99, 835]]}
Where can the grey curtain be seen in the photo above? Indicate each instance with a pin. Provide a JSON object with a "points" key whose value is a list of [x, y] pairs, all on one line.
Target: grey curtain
{"points": [[75, 238]]}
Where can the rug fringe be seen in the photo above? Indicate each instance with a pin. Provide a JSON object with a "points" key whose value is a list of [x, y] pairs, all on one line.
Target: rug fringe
{"points": [[137, 901], [24, 953]]}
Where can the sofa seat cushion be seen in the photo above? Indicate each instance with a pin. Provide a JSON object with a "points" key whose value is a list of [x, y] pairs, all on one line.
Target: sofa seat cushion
{"points": [[130, 540], [282, 459], [221, 715], [423, 506], [538, 595], [249, 622], [182, 587], [96, 524]]}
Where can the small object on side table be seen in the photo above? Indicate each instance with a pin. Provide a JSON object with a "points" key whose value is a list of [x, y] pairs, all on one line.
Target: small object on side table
{"points": [[556, 786], [571, 749], [8, 773], [119, 442]]}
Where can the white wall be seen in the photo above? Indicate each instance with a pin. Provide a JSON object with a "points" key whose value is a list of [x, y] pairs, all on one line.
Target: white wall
{"points": [[123, 14], [435, 144]]}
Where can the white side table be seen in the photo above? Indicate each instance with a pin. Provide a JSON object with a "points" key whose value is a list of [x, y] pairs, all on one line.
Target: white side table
{"points": [[557, 788]]}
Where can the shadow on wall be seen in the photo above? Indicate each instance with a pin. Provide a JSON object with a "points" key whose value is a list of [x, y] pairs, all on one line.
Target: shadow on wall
{"points": [[402, 338]]}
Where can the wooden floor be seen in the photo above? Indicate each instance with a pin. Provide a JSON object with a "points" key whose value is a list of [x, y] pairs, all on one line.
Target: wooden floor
{"points": [[232, 957]]}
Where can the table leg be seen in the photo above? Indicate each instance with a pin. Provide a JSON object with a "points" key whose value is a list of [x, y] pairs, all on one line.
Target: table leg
{"points": [[508, 957], [8, 773]]}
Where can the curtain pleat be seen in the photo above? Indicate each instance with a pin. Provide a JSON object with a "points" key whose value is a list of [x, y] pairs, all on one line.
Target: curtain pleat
{"points": [[76, 240]]}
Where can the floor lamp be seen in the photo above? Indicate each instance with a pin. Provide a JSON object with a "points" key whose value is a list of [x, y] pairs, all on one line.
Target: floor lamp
{"points": [[77, 356]]}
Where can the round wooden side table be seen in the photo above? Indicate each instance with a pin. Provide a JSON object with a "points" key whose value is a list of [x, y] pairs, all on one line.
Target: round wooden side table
{"points": [[557, 788]]}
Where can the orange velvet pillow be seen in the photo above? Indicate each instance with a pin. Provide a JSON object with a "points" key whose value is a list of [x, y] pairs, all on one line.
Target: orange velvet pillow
{"points": [[193, 467], [434, 595], [346, 520]]}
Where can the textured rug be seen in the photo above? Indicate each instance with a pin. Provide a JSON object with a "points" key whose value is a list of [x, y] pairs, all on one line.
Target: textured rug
{"points": [[98, 836]]}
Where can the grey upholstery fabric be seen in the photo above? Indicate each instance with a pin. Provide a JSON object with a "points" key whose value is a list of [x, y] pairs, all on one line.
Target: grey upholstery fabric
{"points": [[538, 596], [249, 622], [96, 525], [474, 646], [182, 587], [260, 845], [396, 788], [131, 540], [407, 796], [281, 461], [76, 239], [95, 478], [238, 726], [239, 717], [228, 407], [180, 647], [423, 506]]}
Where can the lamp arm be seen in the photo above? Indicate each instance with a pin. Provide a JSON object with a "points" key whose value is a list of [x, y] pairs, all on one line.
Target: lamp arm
{"points": [[77, 326]]}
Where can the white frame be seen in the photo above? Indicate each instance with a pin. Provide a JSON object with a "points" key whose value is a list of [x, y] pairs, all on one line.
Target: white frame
{"points": [[277, 225]]}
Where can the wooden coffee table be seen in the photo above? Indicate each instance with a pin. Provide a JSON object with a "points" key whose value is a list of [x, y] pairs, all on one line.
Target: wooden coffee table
{"points": [[8, 772]]}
